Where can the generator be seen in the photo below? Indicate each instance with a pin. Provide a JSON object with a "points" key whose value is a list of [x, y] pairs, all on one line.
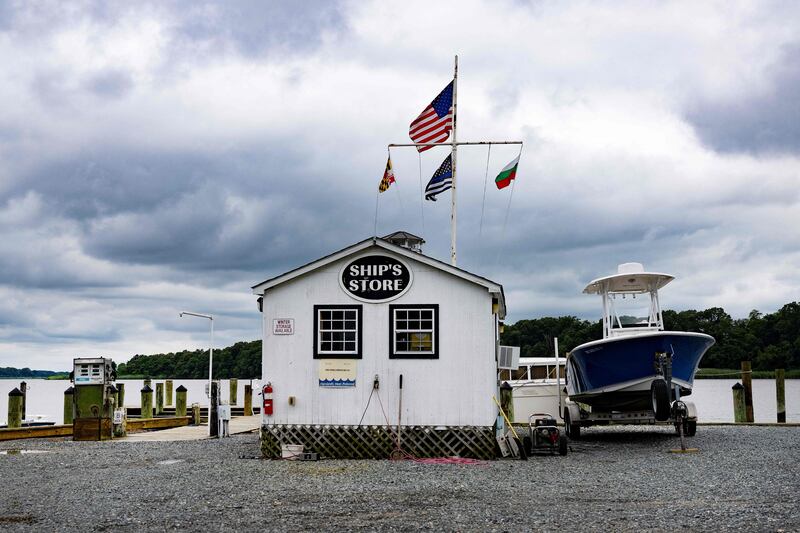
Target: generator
{"points": [[93, 398]]}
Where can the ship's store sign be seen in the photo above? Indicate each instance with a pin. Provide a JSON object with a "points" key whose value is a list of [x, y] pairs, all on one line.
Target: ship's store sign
{"points": [[375, 278]]}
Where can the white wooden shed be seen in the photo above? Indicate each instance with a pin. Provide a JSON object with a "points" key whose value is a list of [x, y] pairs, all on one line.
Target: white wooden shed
{"points": [[340, 331]]}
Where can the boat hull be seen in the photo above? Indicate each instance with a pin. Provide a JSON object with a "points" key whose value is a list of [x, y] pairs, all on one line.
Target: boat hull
{"points": [[616, 373], [535, 397]]}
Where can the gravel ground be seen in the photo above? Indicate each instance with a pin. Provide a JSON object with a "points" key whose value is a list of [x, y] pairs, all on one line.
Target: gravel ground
{"points": [[623, 478]]}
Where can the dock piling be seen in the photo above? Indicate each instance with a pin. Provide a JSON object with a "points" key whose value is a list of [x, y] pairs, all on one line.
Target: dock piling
{"points": [[195, 414], [168, 392], [121, 395], [23, 388], [147, 402], [747, 382], [180, 401], [159, 399], [780, 392], [15, 408], [739, 408], [248, 400], [234, 391], [68, 407], [213, 403]]}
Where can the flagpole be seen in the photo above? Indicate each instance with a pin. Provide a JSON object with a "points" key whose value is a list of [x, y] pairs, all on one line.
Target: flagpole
{"points": [[453, 211]]}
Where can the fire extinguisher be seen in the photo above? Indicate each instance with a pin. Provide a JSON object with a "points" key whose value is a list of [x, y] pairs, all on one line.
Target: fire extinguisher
{"points": [[267, 393]]}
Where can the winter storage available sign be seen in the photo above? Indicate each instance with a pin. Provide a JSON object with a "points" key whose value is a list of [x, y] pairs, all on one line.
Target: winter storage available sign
{"points": [[283, 326], [337, 373]]}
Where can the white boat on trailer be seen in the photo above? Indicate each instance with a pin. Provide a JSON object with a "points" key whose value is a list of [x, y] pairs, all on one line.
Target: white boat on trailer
{"points": [[538, 387], [637, 373]]}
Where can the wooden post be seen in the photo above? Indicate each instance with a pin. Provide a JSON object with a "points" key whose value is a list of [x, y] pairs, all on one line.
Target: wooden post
{"points": [[747, 382], [780, 392], [15, 409], [147, 402], [234, 391], [248, 400], [121, 394], [180, 401], [213, 403], [114, 393], [23, 388], [159, 399], [506, 401], [739, 407], [168, 392], [196, 414], [68, 394]]}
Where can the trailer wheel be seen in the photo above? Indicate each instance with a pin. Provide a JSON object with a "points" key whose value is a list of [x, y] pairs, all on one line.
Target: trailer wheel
{"points": [[562, 445], [659, 393], [573, 430]]}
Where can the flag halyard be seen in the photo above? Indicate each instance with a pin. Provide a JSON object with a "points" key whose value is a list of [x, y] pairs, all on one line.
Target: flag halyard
{"points": [[435, 122]]}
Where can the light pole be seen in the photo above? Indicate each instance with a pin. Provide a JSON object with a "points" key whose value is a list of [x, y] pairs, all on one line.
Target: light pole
{"points": [[210, 359]]}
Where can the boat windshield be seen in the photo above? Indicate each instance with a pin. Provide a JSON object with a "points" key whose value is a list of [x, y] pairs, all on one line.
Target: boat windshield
{"points": [[632, 312]]}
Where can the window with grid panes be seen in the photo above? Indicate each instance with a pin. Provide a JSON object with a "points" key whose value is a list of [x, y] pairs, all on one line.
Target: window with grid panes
{"points": [[413, 331], [337, 331]]}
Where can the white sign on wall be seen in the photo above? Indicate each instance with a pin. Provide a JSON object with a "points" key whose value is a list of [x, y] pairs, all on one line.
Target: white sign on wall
{"points": [[283, 326]]}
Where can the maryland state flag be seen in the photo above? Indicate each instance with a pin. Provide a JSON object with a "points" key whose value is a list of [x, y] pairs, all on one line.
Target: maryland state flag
{"points": [[388, 176]]}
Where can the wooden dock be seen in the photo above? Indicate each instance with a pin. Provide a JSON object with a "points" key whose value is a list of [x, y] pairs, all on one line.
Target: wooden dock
{"points": [[238, 424]]}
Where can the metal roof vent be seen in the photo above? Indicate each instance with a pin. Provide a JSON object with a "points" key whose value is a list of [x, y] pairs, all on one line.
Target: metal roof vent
{"points": [[406, 240]]}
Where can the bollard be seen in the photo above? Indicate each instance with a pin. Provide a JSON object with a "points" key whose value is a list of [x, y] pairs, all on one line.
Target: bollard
{"points": [[747, 382], [739, 407], [121, 394], [68, 394], [23, 388], [159, 399], [15, 408], [780, 392], [180, 401], [196, 414], [248, 400], [234, 391], [147, 402], [506, 401], [168, 392]]}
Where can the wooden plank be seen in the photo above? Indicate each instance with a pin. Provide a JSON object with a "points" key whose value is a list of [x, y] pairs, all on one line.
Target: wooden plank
{"points": [[158, 423], [36, 432]]}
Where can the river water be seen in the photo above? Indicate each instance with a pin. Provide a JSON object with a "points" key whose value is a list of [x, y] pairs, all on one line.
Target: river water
{"points": [[712, 397]]}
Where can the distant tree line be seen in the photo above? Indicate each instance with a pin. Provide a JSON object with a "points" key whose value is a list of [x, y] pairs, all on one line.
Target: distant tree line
{"points": [[769, 341], [9, 372], [242, 360]]}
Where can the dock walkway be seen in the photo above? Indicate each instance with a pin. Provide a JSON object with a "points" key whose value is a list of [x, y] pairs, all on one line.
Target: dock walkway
{"points": [[238, 424]]}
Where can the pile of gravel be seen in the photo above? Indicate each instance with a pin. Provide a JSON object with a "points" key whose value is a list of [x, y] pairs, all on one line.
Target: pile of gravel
{"points": [[619, 478]]}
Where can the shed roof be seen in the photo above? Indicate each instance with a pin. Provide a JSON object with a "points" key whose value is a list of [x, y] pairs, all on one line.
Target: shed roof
{"points": [[492, 287]]}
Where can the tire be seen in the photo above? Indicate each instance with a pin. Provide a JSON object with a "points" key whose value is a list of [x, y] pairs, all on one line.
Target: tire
{"points": [[573, 430], [690, 428], [659, 393], [562, 445], [527, 444]]}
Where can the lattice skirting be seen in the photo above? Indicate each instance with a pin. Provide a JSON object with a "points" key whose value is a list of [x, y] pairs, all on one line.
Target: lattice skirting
{"points": [[378, 442]]}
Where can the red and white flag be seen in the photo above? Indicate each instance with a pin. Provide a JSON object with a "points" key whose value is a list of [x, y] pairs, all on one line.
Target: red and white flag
{"points": [[434, 124]]}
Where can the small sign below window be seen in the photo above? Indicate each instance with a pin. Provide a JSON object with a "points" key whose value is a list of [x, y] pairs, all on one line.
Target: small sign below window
{"points": [[337, 373], [375, 278], [283, 326]]}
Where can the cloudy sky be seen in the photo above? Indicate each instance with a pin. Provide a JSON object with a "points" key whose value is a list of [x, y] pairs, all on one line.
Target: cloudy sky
{"points": [[161, 156]]}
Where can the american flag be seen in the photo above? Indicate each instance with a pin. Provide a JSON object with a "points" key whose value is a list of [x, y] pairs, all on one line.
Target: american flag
{"points": [[442, 179], [433, 125]]}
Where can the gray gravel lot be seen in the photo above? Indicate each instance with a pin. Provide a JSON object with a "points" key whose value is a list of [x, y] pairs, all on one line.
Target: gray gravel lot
{"points": [[623, 478]]}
